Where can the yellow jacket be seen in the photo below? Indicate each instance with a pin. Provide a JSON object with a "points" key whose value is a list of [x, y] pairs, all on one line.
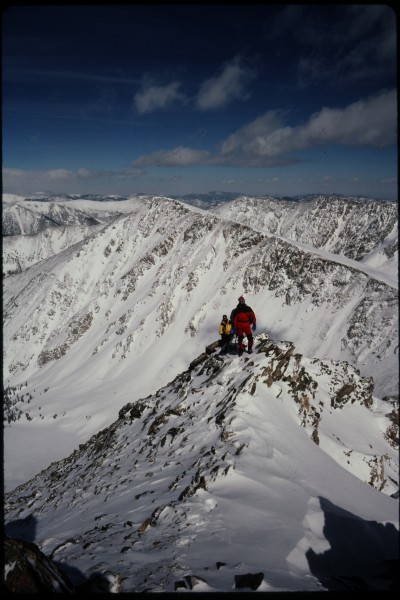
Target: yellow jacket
{"points": [[225, 327]]}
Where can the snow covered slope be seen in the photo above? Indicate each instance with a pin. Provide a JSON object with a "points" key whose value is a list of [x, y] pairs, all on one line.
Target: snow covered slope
{"points": [[37, 229], [362, 229], [263, 465], [121, 313]]}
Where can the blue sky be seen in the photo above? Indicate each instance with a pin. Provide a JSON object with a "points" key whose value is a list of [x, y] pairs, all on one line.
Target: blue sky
{"points": [[178, 99]]}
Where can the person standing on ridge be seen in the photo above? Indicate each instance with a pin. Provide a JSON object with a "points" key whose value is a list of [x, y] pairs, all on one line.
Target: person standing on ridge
{"points": [[225, 333], [244, 321]]}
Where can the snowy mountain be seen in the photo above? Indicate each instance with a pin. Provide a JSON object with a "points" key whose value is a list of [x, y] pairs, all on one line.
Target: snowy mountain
{"points": [[136, 300], [365, 230], [36, 229], [208, 200], [241, 473], [362, 229], [105, 310], [31, 216]]}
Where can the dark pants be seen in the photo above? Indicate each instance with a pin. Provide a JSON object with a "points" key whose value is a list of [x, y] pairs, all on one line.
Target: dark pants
{"points": [[225, 337]]}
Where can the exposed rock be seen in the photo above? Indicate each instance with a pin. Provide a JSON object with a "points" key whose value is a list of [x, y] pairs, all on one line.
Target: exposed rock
{"points": [[189, 582], [28, 570], [249, 580]]}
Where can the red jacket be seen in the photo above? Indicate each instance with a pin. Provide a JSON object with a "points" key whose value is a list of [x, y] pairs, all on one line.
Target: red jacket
{"points": [[243, 316]]}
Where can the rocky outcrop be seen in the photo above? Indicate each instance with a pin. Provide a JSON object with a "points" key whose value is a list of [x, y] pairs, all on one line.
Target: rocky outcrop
{"points": [[27, 570]]}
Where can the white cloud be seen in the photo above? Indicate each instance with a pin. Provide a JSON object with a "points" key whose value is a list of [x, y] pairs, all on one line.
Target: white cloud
{"points": [[257, 139], [178, 157], [268, 142], [84, 173], [264, 142], [222, 89], [26, 182], [371, 122], [13, 172], [59, 174], [132, 173], [154, 97], [215, 92]]}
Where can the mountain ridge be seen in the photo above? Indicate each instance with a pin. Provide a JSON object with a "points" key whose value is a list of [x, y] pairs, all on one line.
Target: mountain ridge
{"points": [[158, 479]]}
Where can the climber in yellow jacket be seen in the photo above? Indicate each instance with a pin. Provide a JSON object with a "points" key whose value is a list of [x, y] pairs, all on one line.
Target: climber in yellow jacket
{"points": [[225, 333]]}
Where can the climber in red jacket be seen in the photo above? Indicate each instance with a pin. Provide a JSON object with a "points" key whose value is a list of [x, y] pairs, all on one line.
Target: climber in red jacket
{"points": [[244, 321]]}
